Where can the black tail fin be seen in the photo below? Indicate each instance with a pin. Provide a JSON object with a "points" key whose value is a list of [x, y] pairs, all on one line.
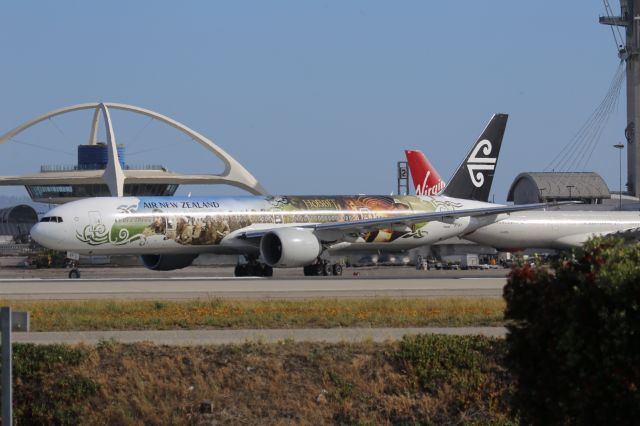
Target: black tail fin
{"points": [[472, 180]]}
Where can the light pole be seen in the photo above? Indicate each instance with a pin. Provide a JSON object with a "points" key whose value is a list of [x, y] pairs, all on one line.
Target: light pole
{"points": [[569, 187], [619, 147], [540, 190]]}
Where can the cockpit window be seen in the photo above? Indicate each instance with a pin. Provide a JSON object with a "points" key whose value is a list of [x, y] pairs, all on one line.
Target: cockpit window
{"points": [[56, 219]]}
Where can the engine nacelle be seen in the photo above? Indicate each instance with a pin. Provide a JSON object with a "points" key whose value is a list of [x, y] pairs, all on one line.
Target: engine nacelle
{"points": [[289, 247], [167, 262]]}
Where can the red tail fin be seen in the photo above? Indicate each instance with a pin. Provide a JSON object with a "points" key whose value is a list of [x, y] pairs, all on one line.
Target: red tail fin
{"points": [[426, 179]]}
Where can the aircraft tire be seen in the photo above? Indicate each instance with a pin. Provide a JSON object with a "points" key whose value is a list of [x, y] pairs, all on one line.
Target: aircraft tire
{"points": [[326, 269], [240, 271], [252, 270], [337, 269], [74, 274], [311, 271], [258, 270], [267, 271]]}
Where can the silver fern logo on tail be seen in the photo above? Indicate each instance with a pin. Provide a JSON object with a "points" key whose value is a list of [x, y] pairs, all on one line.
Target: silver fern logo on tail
{"points": [[472, 180], [477, 165]]}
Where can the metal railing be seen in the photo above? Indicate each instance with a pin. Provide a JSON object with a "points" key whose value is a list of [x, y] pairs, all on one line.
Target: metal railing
{"points": [[79, 167], [13, 249]]}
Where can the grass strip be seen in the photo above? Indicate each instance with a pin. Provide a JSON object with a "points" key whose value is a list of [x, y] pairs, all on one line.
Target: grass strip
{"points": [[441, 380], [237, 314]]}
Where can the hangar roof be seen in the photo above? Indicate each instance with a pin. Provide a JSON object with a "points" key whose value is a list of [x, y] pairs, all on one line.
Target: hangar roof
{"points": [[17, 220], [563, 185]]}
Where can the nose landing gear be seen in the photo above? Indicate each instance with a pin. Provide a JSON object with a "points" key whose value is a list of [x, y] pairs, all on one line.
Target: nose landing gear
{"points": [[74, 273]]}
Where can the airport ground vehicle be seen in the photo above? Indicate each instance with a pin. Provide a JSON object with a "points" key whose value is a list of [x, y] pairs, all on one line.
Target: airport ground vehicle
{"points": [[469, 261], [47, 259], [38, 261]]}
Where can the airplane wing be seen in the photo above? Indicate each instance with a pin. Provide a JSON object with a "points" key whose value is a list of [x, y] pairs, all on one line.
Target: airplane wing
{"points": [[629, 234], [367, 225]]}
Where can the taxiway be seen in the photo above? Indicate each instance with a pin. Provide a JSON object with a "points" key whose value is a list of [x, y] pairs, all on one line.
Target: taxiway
{"points": [[255, 288], [222, 337]]}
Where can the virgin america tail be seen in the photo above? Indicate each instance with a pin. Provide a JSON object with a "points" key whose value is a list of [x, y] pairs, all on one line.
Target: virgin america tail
{"points": [[426, 179]]}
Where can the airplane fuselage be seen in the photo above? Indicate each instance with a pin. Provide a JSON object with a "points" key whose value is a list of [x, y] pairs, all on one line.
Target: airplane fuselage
{"points": [[168, 225], [552, 229]]}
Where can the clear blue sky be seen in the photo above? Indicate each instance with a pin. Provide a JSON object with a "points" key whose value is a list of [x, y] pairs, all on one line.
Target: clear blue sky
{"points": [[312, 97]]}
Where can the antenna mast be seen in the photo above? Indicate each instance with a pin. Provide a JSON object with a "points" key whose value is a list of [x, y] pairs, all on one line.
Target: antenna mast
{"points": [[629, 19]]}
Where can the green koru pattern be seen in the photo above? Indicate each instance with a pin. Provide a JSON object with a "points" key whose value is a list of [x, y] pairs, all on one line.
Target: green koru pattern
{"points": [[98, 234]]}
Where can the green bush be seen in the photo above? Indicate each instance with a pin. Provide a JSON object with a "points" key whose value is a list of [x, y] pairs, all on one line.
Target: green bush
{"points": [[439, 359], [574, 337], [467, 368]]}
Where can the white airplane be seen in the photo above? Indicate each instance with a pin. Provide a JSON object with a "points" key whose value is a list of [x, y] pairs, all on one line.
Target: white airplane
{"points": [[275, 231], [554, 229]]}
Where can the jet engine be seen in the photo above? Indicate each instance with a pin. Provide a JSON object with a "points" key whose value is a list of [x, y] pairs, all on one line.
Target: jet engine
{"points": [[289, 247], [167, 262]]}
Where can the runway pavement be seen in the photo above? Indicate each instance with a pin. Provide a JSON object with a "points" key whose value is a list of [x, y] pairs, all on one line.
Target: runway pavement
{"points": [[218, 337], [199, 283], [247, 288], [378, 272]]}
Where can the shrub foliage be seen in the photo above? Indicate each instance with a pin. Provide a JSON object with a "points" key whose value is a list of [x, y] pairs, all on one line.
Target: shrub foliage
{"points": [[469, 367], [574, 337]]}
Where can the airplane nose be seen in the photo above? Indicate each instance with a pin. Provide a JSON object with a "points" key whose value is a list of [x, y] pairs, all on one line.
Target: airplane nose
{"points": [[36, 233], [42, 236]]}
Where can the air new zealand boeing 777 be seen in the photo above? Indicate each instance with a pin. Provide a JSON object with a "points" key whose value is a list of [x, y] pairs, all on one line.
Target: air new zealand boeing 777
{"points": [[275, 231]]}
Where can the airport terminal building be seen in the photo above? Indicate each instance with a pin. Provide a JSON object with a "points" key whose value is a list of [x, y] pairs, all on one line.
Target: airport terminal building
{"points": [[101, 169]]}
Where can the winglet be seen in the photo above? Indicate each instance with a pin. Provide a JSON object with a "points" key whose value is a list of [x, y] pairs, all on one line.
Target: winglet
{"points": [[473, 178]]}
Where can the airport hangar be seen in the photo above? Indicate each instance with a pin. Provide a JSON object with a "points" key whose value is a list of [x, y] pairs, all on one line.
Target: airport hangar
{"points": [[101, 170]]}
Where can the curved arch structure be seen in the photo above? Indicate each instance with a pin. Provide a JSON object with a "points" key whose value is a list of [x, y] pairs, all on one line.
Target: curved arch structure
{"points": [[234, 173], [17, 220]]}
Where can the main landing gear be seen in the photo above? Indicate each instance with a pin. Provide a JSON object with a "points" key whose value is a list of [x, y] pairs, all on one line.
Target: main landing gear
{"points": [[253, 268], [322, 268]]}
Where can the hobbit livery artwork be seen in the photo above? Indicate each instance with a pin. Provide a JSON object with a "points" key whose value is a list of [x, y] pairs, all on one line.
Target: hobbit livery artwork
{"points": [[206, 222], [280, 231]]}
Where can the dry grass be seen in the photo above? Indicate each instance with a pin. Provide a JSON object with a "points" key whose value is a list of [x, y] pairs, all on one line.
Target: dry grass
{"points": [[289, 383], [223, 313]]}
